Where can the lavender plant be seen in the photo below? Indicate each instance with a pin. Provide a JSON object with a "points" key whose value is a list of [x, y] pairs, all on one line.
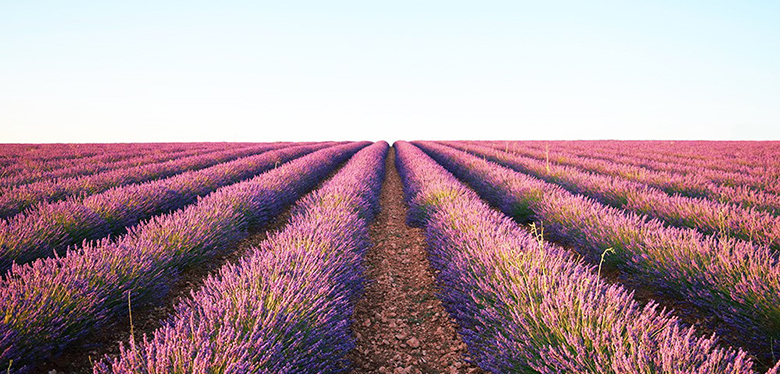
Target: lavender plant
{"points": [[123, 159], [286, 307], [709, 217], [527, 306], [50, 303], [16, 199], [51, 228], [19, 159], [748, 187], [736, 281]]}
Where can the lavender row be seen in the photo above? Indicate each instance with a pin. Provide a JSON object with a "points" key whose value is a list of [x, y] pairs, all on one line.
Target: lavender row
{"points": [[27, 153], [760, 173], [52, 227], [51, 157], [16, 199], [286, 307], [50, 303], [97, 164], [527, 306], [753, 158], [754, 183], [13, 166], [680, 177], [728, 278], [694, 185], [704, 215], [64, 150], [758, 168]]}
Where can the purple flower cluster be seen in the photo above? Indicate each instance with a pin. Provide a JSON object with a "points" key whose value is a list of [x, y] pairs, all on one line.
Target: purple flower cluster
{"points": [[750, 191], [731, 279], [41, 158], [17, 198], [736, 159], [14, 176], [526, 306], [704, 215], [689, 171], [47, 304], [284, 308], [52, 227]]}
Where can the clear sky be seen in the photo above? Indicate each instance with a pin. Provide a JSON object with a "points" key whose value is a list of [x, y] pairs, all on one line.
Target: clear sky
{"points": [[127, 71]]}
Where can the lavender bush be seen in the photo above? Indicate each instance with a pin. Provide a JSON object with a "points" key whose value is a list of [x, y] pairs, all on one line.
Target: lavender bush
{"points": [[527, 306], [284, 308], [733, 280], [18, 198], [16, 159], [709, 217], [52, 227], [49, 303], [751, 187], [122, 159]]}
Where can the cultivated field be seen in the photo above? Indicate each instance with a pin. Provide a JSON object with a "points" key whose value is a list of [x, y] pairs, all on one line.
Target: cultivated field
{"points": [[423, 257]]}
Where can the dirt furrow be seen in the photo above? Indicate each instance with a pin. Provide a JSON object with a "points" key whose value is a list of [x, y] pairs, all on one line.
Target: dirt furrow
{"points": [[400, 325]]}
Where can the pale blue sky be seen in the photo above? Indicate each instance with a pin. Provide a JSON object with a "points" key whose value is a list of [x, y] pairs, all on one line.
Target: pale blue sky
{"points": [[107, 71]]}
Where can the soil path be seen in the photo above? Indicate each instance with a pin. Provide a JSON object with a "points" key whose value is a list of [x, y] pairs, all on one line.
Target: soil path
{"points": [[400, 325]]}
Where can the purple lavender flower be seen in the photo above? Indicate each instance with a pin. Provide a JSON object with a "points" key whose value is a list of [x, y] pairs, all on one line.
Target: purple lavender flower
{"points": [[49, 303], [284, 308]]}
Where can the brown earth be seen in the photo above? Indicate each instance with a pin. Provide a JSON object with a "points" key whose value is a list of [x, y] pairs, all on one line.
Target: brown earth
{"points": [[400, 325], [408, 330]]}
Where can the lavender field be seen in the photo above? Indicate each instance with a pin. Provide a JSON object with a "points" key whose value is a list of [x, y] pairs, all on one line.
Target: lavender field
{"points": [[545, 257]]}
